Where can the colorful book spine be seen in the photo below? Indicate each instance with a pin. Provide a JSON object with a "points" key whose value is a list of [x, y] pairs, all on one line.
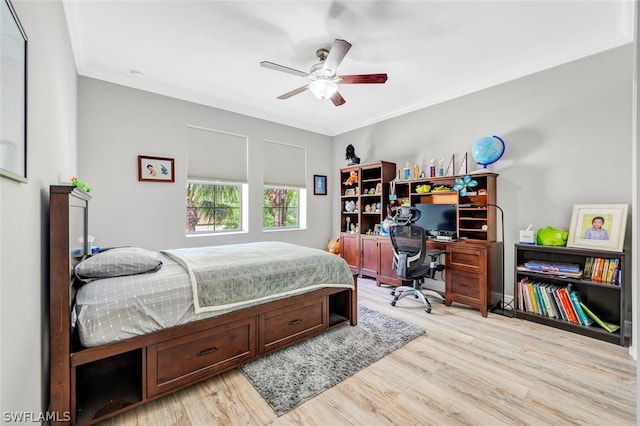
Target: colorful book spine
{"points": [[556, 297], [588, 266], [532, 297], [601, 270], [568, 307], [540, 300], [584, 319]]}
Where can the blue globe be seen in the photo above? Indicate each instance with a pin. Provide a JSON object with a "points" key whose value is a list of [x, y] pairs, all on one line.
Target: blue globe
{"points": [[487, 150]]}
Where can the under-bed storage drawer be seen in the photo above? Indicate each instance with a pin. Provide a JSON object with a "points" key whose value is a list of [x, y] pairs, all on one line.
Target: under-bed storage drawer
{"points": [[280, 328], [186, 359]]}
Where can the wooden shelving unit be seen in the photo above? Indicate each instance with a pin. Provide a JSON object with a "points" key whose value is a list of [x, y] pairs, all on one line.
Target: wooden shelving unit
{"points": [[476, 215], [369, 197]]}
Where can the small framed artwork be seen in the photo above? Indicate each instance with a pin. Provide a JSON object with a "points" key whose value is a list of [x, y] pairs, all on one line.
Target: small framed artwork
{"points": [[155, 169], [13, 96], [598, 226], [319, 185]]}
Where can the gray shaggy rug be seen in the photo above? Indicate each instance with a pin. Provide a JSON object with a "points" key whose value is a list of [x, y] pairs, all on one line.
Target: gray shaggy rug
{"points": [[293, 375]]}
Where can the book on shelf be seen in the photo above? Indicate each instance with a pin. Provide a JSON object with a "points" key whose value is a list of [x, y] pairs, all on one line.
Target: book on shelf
{"points": [[602, 270], [567, 306], [582, 316], [556, 298], [548, 300], [556, 267], [578, 275], [606, 325]]}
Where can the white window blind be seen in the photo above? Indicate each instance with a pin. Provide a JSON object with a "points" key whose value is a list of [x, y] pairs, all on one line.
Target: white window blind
{"points": [[215, 155], [284, 165]]}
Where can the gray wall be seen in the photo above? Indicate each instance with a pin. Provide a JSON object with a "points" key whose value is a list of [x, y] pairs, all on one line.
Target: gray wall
{"points": [[117, 123], [51, 153], [567, 132]]}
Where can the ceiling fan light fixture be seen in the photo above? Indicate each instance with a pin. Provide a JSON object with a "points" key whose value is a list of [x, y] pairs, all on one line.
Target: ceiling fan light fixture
{"points": [[323, 89]]}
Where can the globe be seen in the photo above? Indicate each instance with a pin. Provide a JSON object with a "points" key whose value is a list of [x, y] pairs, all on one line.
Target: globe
{"points": [[487, 150]]}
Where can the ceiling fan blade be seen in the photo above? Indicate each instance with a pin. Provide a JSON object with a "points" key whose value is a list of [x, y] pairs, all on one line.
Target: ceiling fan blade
{"points": [[282, 68], [294, 92], [363, 78], [336, 54], [337, 99]]}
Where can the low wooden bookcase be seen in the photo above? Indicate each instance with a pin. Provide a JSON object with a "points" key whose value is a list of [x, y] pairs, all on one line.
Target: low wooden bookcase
{"points": [[605, 299]]}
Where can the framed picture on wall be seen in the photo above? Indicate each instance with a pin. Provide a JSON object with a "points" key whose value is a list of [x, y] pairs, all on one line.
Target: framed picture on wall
{"points": [[13, 96], [319, 185], [155, 169], [598, 226]]}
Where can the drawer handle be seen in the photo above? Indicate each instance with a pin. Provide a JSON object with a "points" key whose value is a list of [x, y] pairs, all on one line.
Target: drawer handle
{"points": [[464, 259], [295, 322], [208, 351]]}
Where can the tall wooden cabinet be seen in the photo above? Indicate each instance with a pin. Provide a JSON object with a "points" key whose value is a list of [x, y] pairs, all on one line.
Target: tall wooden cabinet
{"points": [[364, 197]]}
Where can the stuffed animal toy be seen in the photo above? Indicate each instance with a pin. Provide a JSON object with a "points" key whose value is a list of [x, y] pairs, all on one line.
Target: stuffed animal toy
{"points": [[551, 236], [353, 178], [80, 184], [334, 246]]}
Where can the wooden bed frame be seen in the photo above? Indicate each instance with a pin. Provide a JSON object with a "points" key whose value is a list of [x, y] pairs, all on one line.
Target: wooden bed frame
{"points": [[88, 385]]}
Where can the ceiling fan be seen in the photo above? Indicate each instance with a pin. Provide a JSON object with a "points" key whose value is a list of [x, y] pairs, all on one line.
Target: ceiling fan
{"points": [[324, 80]]}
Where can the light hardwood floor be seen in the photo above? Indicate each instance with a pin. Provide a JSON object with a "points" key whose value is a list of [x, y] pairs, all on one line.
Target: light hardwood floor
{"points": [[465, 370]]}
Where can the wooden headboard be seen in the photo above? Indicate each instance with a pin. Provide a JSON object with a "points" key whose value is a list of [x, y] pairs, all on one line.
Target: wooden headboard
{"points": [[68, 231]]}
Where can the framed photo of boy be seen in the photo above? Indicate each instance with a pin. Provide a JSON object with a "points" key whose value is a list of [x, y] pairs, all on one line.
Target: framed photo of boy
{"points": [[598, 226], [319, 185], [155, 169]]}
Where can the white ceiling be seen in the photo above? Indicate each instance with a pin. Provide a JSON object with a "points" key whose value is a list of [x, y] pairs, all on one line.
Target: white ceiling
{"points": [[209, 52]]}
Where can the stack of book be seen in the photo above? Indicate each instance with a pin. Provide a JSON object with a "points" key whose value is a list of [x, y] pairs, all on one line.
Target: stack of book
{"points": [[601, 270], [565, 269], [557, 301]]}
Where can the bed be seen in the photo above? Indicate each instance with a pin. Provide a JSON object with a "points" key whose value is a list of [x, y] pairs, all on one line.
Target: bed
{"points": [[129, 325]]}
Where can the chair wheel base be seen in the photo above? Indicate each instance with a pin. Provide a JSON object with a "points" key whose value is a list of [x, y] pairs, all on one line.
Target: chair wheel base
{"points": [[393, 303], [427, 310]]}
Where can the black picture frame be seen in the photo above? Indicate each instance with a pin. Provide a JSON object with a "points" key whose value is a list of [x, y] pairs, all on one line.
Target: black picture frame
{"points": [[13, 97], [319, 185]]}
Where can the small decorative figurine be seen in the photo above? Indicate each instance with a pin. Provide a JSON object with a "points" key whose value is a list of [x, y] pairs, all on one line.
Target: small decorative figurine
{"points": [[353, 178], [462, 184], [351, 155], [551, 236], [334, 246], [79, 184]]}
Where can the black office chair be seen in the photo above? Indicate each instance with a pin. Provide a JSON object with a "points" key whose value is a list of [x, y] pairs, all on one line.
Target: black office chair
{"points": [[409, 254]]}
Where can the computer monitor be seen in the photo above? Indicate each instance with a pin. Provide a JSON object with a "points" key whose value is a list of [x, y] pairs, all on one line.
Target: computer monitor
{"points": [[437, 219]]}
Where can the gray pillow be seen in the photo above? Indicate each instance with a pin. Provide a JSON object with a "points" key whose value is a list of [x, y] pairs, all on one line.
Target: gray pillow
{"points": [[118, 262]]}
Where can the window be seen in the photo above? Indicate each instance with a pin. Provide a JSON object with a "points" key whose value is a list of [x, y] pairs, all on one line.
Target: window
{"points": [[281, 208], [284, 198], [214, 207], [216, 181]]}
